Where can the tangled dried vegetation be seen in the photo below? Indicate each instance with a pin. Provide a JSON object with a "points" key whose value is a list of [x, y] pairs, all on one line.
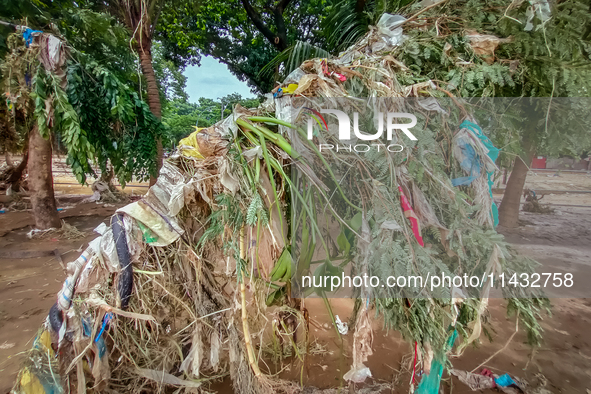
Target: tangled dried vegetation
{"points": [[203, 243]]}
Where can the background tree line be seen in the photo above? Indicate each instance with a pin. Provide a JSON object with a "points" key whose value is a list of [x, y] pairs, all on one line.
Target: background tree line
{"points": [[180, 117]]}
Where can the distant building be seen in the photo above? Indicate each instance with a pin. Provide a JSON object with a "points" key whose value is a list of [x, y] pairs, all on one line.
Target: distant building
{"points": [[561, 163]]}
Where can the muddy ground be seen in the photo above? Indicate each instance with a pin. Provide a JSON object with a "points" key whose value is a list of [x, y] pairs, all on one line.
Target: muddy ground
{"points": [[561, 242]]}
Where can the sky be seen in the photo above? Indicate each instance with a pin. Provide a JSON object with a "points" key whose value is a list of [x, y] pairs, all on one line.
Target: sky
{"points": [[213, 80]]}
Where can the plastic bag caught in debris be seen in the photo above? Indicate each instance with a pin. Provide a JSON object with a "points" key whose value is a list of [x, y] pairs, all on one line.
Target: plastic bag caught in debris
{"points": [[100, 229], [475, 150], [269, 104], [154, 210], [82, 285], [290, 88], [227, 179], [539, 9], [74, 268], [468, 158], [362, 348], [294, 76], [389, 28], [391, 225], [415, 89], [431, 382], [177, 199], [473, 380], [431, 104], [358, 375], [189, 145], [41, 377], [106, 246], [164, 228], [423, 209], [214, 354], [250, 154], [504, 383], [203, 143], [192, 362], [342, 327], [493, 267]]}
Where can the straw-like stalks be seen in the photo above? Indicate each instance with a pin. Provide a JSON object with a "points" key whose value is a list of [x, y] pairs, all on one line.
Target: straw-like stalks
{"points": [[245, 328], [181, 327]]}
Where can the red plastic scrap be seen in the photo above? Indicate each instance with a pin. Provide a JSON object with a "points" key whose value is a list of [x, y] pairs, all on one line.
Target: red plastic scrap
{"points": [[488, 372], [411, 216], [324, 66]]}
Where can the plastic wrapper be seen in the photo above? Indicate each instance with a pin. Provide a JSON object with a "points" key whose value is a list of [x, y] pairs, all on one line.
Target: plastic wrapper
{"points": [[294, 76], [154, 209], [358, 375], [390, 30], [342, 327], [541, 10]]}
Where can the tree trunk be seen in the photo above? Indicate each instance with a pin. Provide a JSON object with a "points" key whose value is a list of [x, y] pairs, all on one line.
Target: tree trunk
{"points": [[359, 6], [17, 174], [509, 210], [8, 159], [145, 54], [41, 182]]}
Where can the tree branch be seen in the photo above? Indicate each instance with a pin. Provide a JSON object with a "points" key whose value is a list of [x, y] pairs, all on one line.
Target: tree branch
{"points": [[359, 6], [282, 5], [256, 19], [280, 24]]}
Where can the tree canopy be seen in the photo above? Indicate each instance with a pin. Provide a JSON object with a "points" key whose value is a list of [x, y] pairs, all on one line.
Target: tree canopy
{"points": [[244, 34]]}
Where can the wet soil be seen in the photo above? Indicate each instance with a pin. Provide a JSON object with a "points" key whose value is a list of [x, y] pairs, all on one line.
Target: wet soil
{"points": [[561, 242]]}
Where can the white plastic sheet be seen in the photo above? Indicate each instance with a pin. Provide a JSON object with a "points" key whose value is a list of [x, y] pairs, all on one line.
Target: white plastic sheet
{"points": [[390, 30], [342, 327], [155, 210]]}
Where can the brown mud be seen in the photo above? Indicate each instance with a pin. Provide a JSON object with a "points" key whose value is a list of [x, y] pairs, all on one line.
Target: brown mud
{"points": [[561, 242]]}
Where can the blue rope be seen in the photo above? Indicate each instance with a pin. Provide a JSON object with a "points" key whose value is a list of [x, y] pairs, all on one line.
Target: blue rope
{"points": [[106, 319]]}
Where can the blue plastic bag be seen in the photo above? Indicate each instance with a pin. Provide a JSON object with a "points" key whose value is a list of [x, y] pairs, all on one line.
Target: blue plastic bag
{"points": [[471, 163], [430, 383]]}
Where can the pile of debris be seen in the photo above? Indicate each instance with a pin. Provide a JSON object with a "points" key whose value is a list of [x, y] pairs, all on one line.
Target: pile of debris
{"points": [[175, 291], [532, 203]]}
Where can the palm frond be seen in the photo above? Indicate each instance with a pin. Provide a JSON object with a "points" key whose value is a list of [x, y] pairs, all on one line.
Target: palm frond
{"points": [[345, 25], [291, 58], [349, 20]]}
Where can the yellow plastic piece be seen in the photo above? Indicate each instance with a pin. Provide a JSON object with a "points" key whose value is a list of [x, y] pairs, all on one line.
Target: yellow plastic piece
{"points": [[289, 89], [45, 340], [30, 384], [189, 145]]}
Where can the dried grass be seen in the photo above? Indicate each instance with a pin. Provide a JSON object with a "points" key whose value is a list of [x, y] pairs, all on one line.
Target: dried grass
{"points": [[181, 328]]}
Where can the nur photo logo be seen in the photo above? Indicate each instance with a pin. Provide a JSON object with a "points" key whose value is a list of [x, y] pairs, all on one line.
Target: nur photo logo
{"points": [[388, 122]]}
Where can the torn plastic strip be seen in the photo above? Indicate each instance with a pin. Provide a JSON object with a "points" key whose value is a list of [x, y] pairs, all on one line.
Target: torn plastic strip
{"points": [[125, 285]]}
